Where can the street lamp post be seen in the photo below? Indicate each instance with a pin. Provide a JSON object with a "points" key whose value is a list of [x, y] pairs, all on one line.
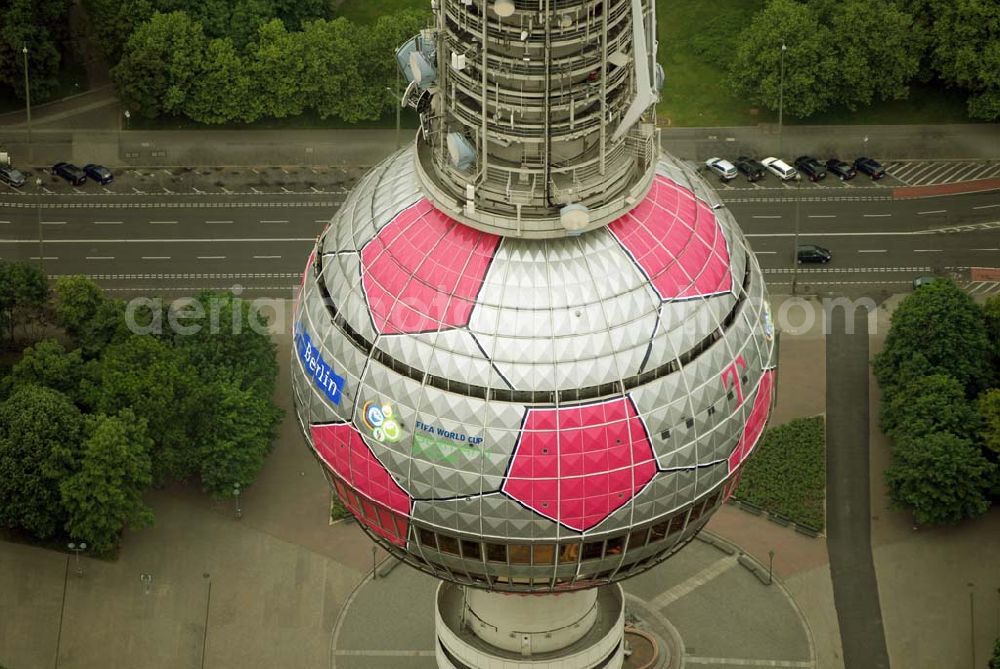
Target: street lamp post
{"points": [[781, 100], [396, 103], [77, 549], [38, 221], [236, 496], [795, 251], [770, 566], [374, 561], [27, 100]]}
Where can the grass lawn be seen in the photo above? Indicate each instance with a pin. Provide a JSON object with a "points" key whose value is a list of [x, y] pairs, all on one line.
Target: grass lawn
{"points": [[787, 474]]}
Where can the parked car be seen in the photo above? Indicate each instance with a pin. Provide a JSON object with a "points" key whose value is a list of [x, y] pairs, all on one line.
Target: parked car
{"points": [[12, 176], [870, 167], [813, 254], [838, 167], [99, 173], [750, 168], [70, 173], [780, 168], [722, 167], [811, 167], [924, 280]]}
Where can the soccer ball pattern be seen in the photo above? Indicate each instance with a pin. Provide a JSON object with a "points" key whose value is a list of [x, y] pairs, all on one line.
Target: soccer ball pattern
{"points": [[532, 415]]}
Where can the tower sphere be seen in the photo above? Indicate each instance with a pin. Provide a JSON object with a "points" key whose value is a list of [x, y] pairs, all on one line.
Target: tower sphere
{"points": [[545, 388]]}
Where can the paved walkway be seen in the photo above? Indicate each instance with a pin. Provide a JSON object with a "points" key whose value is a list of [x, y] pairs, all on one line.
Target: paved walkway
{"points": [[848, 517]]}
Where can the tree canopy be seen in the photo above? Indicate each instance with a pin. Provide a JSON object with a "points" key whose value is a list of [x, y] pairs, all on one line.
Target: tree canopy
{"points": [[42, 27], [926, 404], [24, 294], [40, 437], [940, 477]]}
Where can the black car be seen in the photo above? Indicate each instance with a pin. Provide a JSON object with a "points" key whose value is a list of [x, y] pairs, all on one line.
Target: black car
{"points": [[841, 169], [70, 173], [99, 173], [11, 176], [811, 167], [813, 253], [870, 167], [752, 169]]}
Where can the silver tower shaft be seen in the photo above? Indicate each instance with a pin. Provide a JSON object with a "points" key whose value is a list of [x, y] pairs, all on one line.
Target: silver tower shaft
{"points": [[536, 115]]}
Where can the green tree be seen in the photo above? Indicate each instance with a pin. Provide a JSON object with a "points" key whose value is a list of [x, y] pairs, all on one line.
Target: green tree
{"points": [[991, 311], [24, 294], [989, 413], [91, 318], [224, 91], [105, 495], [377, 55], [926, 404], [811, 69], [156, 382], [40, 436], [875, 49], [278, 65], [41, 25], [940, 477], [114, 21], [995, 658], [232, 343], [941, 322], [332, 80], [238, 428], [160, 63], [48, 364], [966, 51]]}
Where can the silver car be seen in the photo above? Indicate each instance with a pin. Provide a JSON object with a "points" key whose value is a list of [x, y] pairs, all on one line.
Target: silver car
{"points": [[12, 176], [722, 167]]}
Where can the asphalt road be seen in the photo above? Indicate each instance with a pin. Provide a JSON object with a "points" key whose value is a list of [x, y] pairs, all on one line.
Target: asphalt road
{"points": [[139, 243]]}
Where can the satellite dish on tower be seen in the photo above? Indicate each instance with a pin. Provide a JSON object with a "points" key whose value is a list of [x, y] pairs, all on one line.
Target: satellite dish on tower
{"points": [[461, 152], [503, 8]]}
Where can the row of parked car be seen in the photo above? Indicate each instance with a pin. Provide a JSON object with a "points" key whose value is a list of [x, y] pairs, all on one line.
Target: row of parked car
{"points": [[68, 171], [813, 169]]}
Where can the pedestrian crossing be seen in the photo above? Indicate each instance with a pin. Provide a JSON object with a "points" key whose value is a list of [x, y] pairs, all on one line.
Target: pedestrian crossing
{"points": [[934, 172]]}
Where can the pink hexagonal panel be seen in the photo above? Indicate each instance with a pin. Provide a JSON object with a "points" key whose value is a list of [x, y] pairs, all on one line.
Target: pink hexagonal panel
{"points": [[381, 504], [677, 241], [423, 271], [577, 465], [755, 423]]}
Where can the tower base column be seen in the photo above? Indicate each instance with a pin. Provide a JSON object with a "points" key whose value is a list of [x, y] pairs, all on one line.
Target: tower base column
{"points": [[577, 630]]}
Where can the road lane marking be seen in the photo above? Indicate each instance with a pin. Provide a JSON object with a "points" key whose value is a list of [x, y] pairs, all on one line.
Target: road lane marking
{"points": [[877, 215], [44, 258], [987, 206], [873, 251], [100, 257], [156, 257], [841, 234], [765, 253], [266, 257], [709, 573], [211, 257], [274, 221], [108, 222], [927, 250], [936, 211], [767, 217], [986, 249], [218, 222], [4, 222], [822, 216], [53, 222], [327, 220], [163, 222]]}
